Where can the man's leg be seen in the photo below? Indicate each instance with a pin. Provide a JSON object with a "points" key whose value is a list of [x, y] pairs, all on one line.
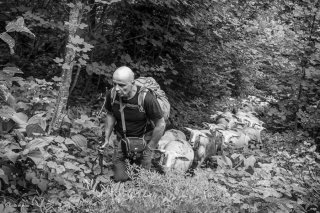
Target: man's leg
{"points": [[146, 158], [120, 166]]}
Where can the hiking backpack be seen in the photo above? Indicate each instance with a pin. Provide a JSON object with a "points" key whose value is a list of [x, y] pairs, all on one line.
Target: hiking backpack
{"points": [[149, 84]]}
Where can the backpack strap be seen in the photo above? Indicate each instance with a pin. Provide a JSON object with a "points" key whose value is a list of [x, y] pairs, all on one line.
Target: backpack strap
{"points": [[141, 97], [113, 96], [123, 122]]}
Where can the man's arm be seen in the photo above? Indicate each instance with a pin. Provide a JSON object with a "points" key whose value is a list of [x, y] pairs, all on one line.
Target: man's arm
{"points": [[110, 122], [157, 133]]}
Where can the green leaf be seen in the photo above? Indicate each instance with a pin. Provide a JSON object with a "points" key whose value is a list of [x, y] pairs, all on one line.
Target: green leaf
{"points": [[224, 161], [58, 60], [36, 143], [80, 140], [299, 189], [59, 139], [77, 40], [268, 192], [7, 171], [69, 176], [52, 164], [43, 184], [56, 79], [20, 118], [34, 130], [38, 119], [66, 66], [36, 156], [7, 209], [1, 172], [265, 183], [60, 169], [87, 47], [250, 161], [9, 40], [71, 5], [71, 166], [18, 26], [12, 156], [82, 62], [68, 141], [6, 112], [22, 105], [12, 70], [106, 2], [236, 198], [82, 26], [75, 199]]}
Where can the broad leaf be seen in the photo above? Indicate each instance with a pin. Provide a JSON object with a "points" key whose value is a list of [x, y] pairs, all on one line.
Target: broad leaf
{"points": [[12, 156], [71, 166], [250, 161], [18, 26], [52, 164], [60, 169], [20, 118], [43, 184], [38, 119], [68, 141], [22, 105], [36, 156], [34, 130], [37, 143], [59, 139], [12, 70], [9, 40], [80, 140]]}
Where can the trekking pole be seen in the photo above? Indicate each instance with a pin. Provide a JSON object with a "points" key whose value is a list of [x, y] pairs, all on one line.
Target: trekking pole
{"points": [[101, 159]]}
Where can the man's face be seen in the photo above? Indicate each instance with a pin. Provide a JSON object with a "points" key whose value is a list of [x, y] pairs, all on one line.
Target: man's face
{"points": [[122, 87]]}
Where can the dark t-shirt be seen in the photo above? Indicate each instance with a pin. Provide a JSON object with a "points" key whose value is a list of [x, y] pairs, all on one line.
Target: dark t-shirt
{"points": [[136, 122]]}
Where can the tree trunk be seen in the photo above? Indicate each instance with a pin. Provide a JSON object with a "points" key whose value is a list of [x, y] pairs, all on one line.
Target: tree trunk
{"points": [[62, 99], [75, 79]]}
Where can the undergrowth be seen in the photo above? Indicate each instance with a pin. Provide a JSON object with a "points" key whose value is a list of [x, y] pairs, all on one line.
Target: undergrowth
{"points": [[279, 182]]}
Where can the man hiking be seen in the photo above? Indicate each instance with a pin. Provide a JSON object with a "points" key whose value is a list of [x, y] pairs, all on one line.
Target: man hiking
{"points": [[131, 124]]}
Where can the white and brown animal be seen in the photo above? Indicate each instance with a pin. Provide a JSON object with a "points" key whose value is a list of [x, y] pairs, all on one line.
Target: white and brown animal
{"points": [[205, 144], [225, 119], [176, 155], [240, 138], [171, 135], [249, 119]]}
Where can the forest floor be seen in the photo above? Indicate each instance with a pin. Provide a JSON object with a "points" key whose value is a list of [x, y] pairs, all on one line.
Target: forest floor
{"points": [[282, 177]]}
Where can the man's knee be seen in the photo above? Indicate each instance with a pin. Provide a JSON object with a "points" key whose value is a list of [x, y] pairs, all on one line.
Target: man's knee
{"points": [[120, 171], [146, 159]]}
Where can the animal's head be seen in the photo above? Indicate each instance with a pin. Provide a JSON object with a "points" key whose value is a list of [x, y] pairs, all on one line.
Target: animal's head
{"points": [[169, 158], [254, 133], [213, 128], [227, 136], [258, 126], [195, 136]]}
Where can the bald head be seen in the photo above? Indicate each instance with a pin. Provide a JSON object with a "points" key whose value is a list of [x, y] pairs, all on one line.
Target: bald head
{"points": [[123, 82], [123, 74]]}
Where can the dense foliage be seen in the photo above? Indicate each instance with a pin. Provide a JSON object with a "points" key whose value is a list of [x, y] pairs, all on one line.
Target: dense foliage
{"points": [[207, 56]]}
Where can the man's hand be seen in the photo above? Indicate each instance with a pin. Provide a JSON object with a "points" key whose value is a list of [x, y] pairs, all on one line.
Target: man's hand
{"points": [[152, 146], [103, 146]]}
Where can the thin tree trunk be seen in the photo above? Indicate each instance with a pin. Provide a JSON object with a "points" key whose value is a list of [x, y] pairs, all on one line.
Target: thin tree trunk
{"points": [[303, 78], [75, 78], [88, 83], [60, 108], [296, 120]]}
